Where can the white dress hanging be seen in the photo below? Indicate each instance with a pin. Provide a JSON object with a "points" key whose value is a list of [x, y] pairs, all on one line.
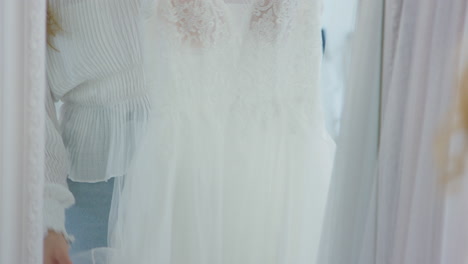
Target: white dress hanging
{"points": [[235, 164]]}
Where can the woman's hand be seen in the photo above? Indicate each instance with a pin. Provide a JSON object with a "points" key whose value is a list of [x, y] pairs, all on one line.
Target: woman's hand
{"points": [[56, 249]]}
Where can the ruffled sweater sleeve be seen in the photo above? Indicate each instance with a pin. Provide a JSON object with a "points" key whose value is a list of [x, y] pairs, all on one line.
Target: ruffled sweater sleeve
{"points": [[57, 196]]}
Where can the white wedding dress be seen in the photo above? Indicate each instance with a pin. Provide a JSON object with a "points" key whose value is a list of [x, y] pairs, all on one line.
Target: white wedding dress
{"points": [[236, 161]]}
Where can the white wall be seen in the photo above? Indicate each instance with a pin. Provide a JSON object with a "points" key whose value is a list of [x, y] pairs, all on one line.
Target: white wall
{"points": [[338, 21]]}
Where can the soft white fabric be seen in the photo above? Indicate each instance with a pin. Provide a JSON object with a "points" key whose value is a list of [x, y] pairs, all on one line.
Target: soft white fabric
{"points": [[455, 219], [96, 69], [235, 165], [404, 207], [55, 199], [418, 93], [455, 231]]}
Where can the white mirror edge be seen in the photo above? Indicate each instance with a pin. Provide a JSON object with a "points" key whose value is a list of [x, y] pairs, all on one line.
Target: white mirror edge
{"points": [[23, 83]]}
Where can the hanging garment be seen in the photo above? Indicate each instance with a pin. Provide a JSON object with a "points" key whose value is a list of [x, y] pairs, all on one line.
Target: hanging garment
{"points": [[235, 164]]}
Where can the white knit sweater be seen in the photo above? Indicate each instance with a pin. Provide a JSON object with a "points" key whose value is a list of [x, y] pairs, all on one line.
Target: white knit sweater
{"points": [[97, 72]]}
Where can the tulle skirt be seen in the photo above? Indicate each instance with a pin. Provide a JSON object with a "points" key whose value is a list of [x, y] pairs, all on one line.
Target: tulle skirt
{"points": [[251, 190]]}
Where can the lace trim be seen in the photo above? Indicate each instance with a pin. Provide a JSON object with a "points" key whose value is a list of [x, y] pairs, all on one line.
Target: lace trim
{"points": [[199, 23], [272, 19], [204, 23]]}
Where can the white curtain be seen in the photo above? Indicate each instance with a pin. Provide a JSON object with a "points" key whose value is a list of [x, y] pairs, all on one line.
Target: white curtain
{"points": [[22, 87], [455, 232], [421, 46], [389, 208]]}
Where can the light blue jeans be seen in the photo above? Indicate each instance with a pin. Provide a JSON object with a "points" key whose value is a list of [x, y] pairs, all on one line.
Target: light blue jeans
{"points": [[88, 219]]}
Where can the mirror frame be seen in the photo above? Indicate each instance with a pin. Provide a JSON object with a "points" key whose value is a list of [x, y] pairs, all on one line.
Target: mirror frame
{"points": [[22, 135]]}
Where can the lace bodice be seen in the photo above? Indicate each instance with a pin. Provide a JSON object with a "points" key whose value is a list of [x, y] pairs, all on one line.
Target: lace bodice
{"points": [[265, 43], [272, 18], [199, 23], [204, 23]]}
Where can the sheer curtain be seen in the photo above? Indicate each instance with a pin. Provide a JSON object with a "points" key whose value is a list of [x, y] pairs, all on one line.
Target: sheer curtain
{"points": [[391, 209], [455, 233], [22, 89], [418, 90]]}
